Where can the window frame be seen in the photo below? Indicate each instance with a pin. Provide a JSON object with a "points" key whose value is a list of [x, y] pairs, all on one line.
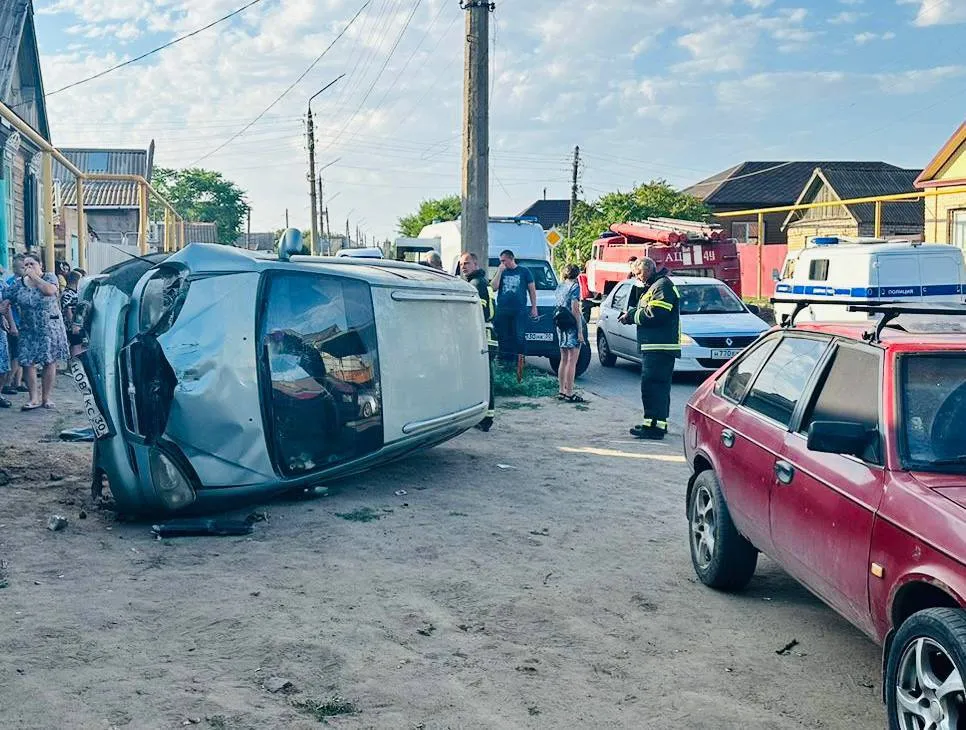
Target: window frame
{"points": [[795, 417], [812, 266], [773, 341], [627, 284], [953, 213], [826, 364]]}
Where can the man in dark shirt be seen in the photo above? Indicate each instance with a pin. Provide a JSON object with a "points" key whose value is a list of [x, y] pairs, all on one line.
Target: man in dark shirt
{"points": [[512, 284]]}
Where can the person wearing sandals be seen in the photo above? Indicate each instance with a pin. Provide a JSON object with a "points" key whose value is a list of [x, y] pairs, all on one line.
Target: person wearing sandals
{"points": [[6, 325], [43, 339], [570, 331]]}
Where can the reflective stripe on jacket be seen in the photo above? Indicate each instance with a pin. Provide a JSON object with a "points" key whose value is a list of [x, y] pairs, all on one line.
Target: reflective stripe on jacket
{"points": [[658, 316]]}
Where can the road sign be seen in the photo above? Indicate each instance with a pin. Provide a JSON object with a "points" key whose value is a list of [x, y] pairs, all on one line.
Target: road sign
{"points": [[553, 237]]}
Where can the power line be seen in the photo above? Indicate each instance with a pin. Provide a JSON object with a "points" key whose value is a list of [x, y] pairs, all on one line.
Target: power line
{"points": [[285, 93], [106, 71]]}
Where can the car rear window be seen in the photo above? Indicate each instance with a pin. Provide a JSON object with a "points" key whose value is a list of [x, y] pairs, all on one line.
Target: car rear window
{"points": [[782, 380]]}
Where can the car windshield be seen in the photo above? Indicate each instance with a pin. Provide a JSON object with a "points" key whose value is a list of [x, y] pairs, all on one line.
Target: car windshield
{"points": [[543, 276], [319, 348], [933, 411], [715, 298]]}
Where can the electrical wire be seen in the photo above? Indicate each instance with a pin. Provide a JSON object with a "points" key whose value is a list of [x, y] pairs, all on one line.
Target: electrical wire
{"points": [[160, 48], [290, 87]]}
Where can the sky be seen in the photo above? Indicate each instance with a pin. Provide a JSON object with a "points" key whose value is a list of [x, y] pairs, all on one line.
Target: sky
{"points": [[649, 89]]}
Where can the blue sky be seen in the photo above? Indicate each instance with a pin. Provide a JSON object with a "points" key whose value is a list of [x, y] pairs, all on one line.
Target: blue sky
{"points": [[673, 89]]}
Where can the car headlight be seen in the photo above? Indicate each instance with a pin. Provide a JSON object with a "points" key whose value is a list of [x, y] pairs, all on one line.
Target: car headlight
{"points": [[687, 340], [173, 487]]}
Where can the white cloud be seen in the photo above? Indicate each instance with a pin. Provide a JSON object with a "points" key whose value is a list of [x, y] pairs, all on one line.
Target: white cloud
{"points": [[938, 12], [868, 37], [846, 17]]}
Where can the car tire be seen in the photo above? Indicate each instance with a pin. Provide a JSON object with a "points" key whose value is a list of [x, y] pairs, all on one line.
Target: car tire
{"points": [[722, 558], [928, 649], [607, 358], [583, 360]]}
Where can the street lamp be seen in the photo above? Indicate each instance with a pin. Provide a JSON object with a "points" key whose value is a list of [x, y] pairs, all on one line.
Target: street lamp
{"points": [[312, 190]]}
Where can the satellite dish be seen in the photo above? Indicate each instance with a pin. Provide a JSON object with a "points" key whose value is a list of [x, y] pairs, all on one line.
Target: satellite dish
{"points": [[290, 244]]}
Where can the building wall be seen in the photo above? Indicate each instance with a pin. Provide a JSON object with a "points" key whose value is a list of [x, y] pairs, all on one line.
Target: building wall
{"points": [[111, 225], [773, 224], [800, 231]]}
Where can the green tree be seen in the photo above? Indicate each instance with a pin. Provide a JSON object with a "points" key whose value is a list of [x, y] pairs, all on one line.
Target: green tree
{"points": [[440, 209], [655, 198], [203, 196]]}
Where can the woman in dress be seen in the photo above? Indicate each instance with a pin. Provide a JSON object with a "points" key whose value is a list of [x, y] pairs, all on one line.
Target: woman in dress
{"points": [[43, 340], [571, 337], [6, 325]]}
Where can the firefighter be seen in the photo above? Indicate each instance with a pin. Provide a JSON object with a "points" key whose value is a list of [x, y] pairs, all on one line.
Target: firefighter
{"points": [[658, 319], [472, 273]]}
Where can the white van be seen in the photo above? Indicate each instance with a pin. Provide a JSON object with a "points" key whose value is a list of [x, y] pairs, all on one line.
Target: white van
{"points": [[527, 239], [361, 253], [862, 273]]}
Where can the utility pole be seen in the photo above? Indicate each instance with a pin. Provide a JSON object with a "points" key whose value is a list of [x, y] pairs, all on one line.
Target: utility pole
{"points": [[476, 128], [248, 239], [328, 229], [321, 222], [286, 219], [314, 243], [347, 233], [573, 192]]}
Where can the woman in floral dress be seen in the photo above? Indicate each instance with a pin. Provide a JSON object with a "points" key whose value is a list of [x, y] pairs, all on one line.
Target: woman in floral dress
{"points": [[43, 339]]}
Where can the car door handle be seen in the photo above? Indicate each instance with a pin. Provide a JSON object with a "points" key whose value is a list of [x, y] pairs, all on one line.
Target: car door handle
{"points": [[784, 471], [728, 438]]}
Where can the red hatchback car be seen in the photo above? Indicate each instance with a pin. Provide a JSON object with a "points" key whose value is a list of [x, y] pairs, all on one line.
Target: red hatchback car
{"points": [[839, 450]]}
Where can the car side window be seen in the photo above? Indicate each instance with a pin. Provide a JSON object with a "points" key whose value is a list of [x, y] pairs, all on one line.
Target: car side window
{"points": [[781, 382], [620, 297], [736, 382], [849, 391]]}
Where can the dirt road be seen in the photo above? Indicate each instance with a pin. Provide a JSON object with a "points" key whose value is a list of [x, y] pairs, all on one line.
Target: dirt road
{"points": [[440, 592]]}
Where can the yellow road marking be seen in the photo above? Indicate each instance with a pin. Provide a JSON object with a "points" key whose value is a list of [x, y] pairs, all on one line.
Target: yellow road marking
{"points": [[591, 451]]}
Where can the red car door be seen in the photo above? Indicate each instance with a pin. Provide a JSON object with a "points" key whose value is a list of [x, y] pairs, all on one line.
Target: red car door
{"points": [[824, 505], [752, 430]]}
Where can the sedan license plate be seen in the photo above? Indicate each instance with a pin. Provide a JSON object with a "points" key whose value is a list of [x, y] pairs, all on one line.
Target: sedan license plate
{"points": [[98, 422], [723, 354], [538, 336]]}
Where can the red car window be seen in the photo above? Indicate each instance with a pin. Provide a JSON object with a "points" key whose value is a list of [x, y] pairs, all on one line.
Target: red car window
{"points": [[781, 382], [736, 382]]}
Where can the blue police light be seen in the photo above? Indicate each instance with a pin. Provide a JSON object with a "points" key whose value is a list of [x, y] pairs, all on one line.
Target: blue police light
{"points": [[825, 241]]}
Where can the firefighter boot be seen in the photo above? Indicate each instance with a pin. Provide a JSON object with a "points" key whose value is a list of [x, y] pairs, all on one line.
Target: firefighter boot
{"points": [[651, 430]]}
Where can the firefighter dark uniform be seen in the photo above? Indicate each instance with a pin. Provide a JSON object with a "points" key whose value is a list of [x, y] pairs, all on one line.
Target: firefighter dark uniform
{"points": [[658, 320], [478, 279]]}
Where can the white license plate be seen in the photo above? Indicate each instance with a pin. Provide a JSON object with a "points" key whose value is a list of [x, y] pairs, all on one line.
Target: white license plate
{"points": [[538, 336], [723, 354], [94, 415]]}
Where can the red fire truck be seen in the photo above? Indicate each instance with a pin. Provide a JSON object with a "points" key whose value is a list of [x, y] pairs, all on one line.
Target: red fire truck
{"points": [[684, 247]]}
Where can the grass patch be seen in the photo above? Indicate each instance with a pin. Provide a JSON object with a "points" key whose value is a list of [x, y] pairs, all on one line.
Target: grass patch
{"points": [[323, 710], [517, 405], [535, 384], [362, 514]]}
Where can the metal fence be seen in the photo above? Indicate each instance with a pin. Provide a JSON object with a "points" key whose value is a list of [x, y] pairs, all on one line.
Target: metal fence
{"points": [[101, 255]]}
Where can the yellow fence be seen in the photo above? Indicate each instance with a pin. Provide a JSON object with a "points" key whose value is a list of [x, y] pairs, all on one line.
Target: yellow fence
{"points": [[174, 228], [878, 201]]}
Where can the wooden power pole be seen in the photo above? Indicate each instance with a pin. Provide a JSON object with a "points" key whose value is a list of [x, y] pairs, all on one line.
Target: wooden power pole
{"points": [[322, 223], [476, 128], [314, 243], [573, 192]]}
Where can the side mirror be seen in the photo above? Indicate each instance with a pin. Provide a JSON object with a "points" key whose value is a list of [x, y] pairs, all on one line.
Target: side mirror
{"points": [[775, 275], [754, 309], [838, 437], [290, 244]]}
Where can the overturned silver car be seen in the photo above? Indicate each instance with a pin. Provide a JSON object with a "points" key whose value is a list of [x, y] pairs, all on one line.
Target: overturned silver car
{"points": [[215, 373]]}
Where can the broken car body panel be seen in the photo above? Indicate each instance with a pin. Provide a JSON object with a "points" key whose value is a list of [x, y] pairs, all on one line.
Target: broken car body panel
{"points": [[226, 374]]}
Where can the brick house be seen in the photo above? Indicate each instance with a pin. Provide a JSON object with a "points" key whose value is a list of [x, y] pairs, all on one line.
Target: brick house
{"points": [[763, 184], [840, 182], [945, 215], [22, 90]]}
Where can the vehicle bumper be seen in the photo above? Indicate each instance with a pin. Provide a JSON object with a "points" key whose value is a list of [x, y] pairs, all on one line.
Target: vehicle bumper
{"points": [[696, 359]]}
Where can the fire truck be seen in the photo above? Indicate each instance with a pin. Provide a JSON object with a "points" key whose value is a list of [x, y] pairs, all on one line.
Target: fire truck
{"points": [[683, 247]]}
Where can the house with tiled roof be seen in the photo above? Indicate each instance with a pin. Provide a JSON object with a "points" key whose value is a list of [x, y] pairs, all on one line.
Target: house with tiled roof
{"points": [[112, 207], [765, 184], [842, 182], [945, 215], [21, 90], [549, 213]]}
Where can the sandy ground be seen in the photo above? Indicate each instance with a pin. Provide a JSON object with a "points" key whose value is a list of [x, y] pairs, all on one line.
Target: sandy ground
{"points": [[555, 594]]}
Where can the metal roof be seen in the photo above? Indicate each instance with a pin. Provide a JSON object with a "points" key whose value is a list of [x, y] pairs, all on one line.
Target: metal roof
{"points": [[113, 161], [769, 183], [17, 28], [101, 194], [549, 213]]}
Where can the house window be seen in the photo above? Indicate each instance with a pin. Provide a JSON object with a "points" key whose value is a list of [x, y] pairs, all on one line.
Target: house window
{"points": [[818, 270], [957, 228], [745, 232], [8, 205]]}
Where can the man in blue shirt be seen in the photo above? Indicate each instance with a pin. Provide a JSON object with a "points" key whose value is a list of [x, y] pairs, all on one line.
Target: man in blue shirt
{"points": [[512, 284]]}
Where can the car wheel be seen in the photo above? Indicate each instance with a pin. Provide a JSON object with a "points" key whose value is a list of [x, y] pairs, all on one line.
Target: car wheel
{"points": [[554, 363], [607, 358], [722, 558], [925, 671], [583, 360]]}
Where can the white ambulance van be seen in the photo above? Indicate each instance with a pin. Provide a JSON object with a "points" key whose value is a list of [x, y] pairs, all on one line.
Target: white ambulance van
{"points": [[867, 271]]}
